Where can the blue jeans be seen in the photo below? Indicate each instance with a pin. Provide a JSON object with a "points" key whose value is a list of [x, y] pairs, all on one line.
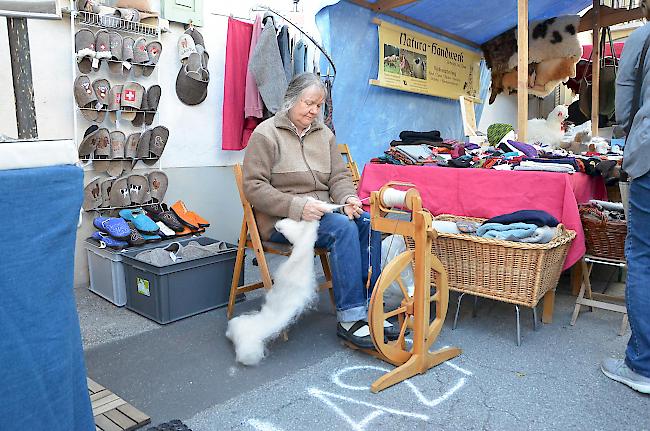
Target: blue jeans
{"points": [[637, 294], [347, 242]]}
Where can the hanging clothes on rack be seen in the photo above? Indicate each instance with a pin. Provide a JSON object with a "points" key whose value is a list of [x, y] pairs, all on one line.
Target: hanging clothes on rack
{"points": [[253, 106], [285, 51], [299, 57], [329, 107], [234, 83], [266, 65]]}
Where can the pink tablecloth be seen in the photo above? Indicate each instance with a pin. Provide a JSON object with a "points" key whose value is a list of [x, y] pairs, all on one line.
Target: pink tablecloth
{"points": [[487, 193]]}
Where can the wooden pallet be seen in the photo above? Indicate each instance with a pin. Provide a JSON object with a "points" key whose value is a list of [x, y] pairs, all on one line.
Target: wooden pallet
{"points": [[111, 412]]}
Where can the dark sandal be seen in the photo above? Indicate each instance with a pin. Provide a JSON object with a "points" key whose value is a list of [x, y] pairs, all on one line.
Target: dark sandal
{"points": [[360, 342]]}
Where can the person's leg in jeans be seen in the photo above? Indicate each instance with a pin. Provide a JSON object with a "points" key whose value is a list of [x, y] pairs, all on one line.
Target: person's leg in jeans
{"points": [[637, 296], [634, 371]]}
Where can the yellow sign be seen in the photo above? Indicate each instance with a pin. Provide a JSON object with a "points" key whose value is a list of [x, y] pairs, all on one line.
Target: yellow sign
{"points": [[411, 61]]}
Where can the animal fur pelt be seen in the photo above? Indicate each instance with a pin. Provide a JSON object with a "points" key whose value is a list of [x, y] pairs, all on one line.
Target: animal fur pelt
{"points": [[294, 290], [551, 38], [542, 77]]}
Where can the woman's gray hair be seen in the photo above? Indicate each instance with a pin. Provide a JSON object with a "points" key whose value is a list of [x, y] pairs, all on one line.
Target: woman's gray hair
{"points": [[298, 84]]}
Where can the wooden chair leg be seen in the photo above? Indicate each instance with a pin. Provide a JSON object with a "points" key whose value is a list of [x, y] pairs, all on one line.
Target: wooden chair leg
{"points": [[239, 264], [264, 267], [624, 324], [325, 262]]}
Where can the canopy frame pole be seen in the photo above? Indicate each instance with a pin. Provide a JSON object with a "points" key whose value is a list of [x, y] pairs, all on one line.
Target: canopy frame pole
{"points": [[522, 69], [595, 69]]}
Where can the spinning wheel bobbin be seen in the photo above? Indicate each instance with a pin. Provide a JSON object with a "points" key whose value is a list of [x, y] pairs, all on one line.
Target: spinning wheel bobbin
{"points": [[414, 310]]}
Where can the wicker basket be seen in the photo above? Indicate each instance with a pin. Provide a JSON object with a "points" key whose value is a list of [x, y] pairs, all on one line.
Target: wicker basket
{"points": [[508, 271], [603, 237]]}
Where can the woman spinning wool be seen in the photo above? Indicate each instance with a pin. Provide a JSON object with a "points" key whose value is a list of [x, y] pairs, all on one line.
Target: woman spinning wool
{"points": [[292, 168]]}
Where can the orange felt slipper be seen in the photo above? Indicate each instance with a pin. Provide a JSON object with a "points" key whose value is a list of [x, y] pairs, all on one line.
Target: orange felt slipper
{"points": [[200, 220], [184, 215]]}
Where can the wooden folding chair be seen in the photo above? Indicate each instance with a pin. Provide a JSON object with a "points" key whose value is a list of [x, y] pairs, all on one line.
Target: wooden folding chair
{"points": [[249, 237], [351, 164], [599, 300]]}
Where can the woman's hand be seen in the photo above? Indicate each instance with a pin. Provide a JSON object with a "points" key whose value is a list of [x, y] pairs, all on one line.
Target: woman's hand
{"points": [[354, 208], [313, 210]]}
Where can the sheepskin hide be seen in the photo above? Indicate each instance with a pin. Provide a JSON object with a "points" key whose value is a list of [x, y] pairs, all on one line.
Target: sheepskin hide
{"points": [[294, 290]]}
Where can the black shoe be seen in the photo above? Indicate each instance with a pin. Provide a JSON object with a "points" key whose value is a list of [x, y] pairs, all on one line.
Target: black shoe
{"points": [[391, 333], [360, 342]]}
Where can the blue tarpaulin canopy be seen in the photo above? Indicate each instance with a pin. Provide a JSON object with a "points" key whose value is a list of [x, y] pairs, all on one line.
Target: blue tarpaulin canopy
{"points": [[368, 117]]}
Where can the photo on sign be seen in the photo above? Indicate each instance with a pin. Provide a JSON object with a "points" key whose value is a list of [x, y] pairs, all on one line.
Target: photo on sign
{"points": [[413, 65], [391, 59]]}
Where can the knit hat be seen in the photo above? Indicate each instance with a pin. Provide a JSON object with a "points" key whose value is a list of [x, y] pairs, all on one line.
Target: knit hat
{"points": [[497, 131]]}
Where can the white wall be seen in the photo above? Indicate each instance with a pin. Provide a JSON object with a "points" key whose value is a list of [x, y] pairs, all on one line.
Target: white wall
{"points": [[504, 110]]}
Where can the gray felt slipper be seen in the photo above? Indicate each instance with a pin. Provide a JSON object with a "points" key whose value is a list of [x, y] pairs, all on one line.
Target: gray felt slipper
{"points": [[102, 87], [130, 151], [158, 183], [114, 101], [127, 54], [103, 150], [140, 55], [142, 151], [118, 142], [205, 57], [196, 36], [132, 94], [105, 187], [138, 188], [85, 97], [119, 193], [153, 99], [89, 141], [153, 50], [102, 48], [186, 46], [190, 91], [84, 45], [140, 115], [92, 195], [159, 137], [115, 62]]}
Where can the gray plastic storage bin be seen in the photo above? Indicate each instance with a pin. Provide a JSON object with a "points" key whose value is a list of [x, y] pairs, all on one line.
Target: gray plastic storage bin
{"points": [[106, 270], [173, 292]]}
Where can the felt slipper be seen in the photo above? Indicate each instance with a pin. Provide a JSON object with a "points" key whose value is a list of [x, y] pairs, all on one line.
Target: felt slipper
{"points": [[196, 36], [85, 97], [84, 45], [132, 94], [115, 62], [127, 54], [165, 231], [186, 46], [140, 220], [184, 215], [142, 150], [158, 183], [153, 99], [194, 66], [138, 188], [119, 193], [92, 195], [149, 237], [140, 56], [101, 87], [203, 223], [153, 51], [105, 188], [159, 137], [89, 141], [127, 14], [114, 101], [186, 231], [103, 150], [159, 212], [135, 239], [130, 151], [138, 121], [102, 48], [190, 91], [205, 57], [114, 226], [118, 143], [105, 240]]}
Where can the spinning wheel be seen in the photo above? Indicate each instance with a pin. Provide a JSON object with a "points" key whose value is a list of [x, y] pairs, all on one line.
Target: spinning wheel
{"points": [[413, 311]]}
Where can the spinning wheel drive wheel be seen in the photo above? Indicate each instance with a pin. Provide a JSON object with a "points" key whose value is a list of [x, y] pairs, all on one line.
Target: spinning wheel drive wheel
{"points": [[398, 352]]}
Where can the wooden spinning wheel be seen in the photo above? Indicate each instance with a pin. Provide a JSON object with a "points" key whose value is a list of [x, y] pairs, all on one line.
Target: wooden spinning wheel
{"points": [[413, 311]]}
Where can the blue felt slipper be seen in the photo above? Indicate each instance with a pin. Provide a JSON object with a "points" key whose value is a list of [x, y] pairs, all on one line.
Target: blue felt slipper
{"points": [[105, 240], [114, 226], [140, 220], [150, 238]]}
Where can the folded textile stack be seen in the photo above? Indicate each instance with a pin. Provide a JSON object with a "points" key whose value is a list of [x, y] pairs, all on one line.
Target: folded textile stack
{"points": [[175, 252], [527, 165]]}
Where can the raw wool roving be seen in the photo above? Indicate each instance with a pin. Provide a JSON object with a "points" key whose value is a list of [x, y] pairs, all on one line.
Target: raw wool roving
{"points": [[294, 291]]}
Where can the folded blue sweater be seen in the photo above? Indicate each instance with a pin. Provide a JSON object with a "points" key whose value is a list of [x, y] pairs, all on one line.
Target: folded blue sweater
{"points": [[509, 232]]}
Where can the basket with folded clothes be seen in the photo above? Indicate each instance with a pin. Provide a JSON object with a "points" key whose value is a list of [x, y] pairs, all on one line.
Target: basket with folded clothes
{"points": [[514, 258], [605, 228]]}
